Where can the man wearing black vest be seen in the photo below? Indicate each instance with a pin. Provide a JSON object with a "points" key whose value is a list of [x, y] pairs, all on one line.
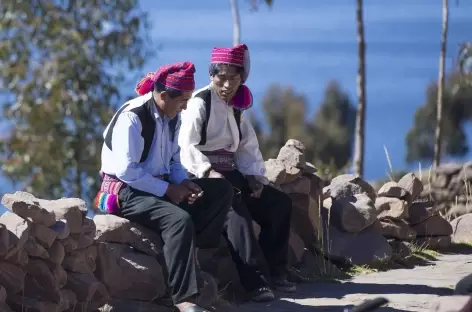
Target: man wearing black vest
{"points": [[144, 181], [218, 141]]}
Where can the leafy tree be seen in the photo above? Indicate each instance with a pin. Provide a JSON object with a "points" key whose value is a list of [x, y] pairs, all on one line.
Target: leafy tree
{"points": [[61, 63], [285, 113], [328, 137], [333, 128], [456, 111]]}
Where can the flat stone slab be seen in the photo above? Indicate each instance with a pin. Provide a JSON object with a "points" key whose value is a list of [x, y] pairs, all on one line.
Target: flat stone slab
{"points": [[416, 289]]}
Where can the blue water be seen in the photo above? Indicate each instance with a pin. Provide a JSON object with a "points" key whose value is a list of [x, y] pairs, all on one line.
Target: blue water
{"points": [[306, 43]]}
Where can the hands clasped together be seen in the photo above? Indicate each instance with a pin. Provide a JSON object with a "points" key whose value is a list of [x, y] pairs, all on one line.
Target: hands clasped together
{"points": [[186, 190], [255, 185]]}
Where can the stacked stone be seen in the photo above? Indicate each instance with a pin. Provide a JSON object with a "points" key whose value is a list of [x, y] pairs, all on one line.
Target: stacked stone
{"points": [[351, 231], [290, 173], [405, 216], [450, 189], [49, 257]]}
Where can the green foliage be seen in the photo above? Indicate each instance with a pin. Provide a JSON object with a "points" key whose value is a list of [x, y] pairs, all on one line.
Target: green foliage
{"points": [[457, 110], [327, 137], [333, 128], [60, 65]]}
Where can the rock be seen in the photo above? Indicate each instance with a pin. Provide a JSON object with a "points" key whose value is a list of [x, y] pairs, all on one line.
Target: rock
{"points": [[81, 261], [353, 214], [316, 188], [315, 266], [451, 303], [4, 240], [433, 226], [18, 232], [296, 248], [25, 303], [87, 288], [398, 229], [347, 185], [88, 227], [433, 242], [365, 247], [114, 229], [462, 229], [458, 210], [292, 154], [34, 249], [411, 184], [299, 186], [12, 278], [68, 300], [392, 189], [59, 274], [20, 258], [128, 274], [305, 218], [292, 174], [45, 236], [27, 206], [309, 168], [5, 308], [401, 249], [40, 282], [3, 295], [70, 244], [71, 209], [83, 241], [56, 253], [275, 171], [419, 211], [61, 228], [391, 207]]}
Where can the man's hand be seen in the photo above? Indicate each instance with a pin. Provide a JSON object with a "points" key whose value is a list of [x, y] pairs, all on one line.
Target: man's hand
{"points": [[215, 175], [195, 189], [255, 186], [177, 193]]}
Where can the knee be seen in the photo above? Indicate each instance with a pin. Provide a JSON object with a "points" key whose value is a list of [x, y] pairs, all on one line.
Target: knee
{"points": [[222, 189], [182, 222]]}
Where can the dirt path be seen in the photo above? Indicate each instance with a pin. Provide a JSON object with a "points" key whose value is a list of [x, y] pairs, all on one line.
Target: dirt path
{"points": [[407, 289]]}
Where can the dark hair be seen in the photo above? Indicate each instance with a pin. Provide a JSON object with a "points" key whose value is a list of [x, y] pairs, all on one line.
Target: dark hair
{"points": [[215, 68], [173, 93]]}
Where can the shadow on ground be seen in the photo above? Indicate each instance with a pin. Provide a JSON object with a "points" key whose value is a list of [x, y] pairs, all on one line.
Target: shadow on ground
{"points": [[339, 290], [288, 306]]}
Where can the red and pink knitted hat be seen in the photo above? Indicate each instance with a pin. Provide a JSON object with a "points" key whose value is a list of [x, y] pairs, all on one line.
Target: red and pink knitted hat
{"points": [[178, 76], [237, 56]]}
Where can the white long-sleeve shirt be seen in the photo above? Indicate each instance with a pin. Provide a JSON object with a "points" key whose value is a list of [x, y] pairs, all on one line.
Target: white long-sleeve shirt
{"points": [[127, 144], [222, 133]]}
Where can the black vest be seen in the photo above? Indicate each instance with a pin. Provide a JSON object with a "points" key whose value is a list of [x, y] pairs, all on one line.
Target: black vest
{"points": [[145, 115], [205, 95]]}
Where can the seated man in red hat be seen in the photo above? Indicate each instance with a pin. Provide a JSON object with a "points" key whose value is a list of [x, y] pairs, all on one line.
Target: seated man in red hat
{"points": [[144, 181], [217, 140]]}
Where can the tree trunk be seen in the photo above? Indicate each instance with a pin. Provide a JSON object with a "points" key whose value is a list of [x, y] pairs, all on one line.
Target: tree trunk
{"points": [[361, 96], [236, 22], [442, 61]]}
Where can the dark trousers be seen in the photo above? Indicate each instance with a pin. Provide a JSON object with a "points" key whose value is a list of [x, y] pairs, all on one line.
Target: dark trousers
{"points": [[182, 228], [257, 261]]}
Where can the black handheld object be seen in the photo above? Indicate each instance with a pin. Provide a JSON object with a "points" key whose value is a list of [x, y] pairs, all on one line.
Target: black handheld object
{"points": [[370, 305]]}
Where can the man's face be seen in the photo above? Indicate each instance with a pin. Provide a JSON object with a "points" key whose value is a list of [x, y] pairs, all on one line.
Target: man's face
{"points": [[227, 81], [172, 106]]}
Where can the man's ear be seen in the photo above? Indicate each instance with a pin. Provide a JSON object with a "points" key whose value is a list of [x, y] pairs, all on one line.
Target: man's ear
{"points": [[162, 95]]}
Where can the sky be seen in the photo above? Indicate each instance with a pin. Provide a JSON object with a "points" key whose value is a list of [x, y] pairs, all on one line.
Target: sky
{"points": [[307, 43]]}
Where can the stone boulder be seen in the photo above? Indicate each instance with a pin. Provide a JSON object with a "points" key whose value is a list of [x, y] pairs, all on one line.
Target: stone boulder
{"points": [[348, 185], [462, 229], [353, 214]]}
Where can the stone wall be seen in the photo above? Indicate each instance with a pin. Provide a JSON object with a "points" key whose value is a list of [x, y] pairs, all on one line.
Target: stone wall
{"points": [[54, 258], [450, 189]]}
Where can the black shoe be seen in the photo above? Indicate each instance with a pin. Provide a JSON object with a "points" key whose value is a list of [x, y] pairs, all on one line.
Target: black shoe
{"points": [[262, 294], [282, 284]]}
